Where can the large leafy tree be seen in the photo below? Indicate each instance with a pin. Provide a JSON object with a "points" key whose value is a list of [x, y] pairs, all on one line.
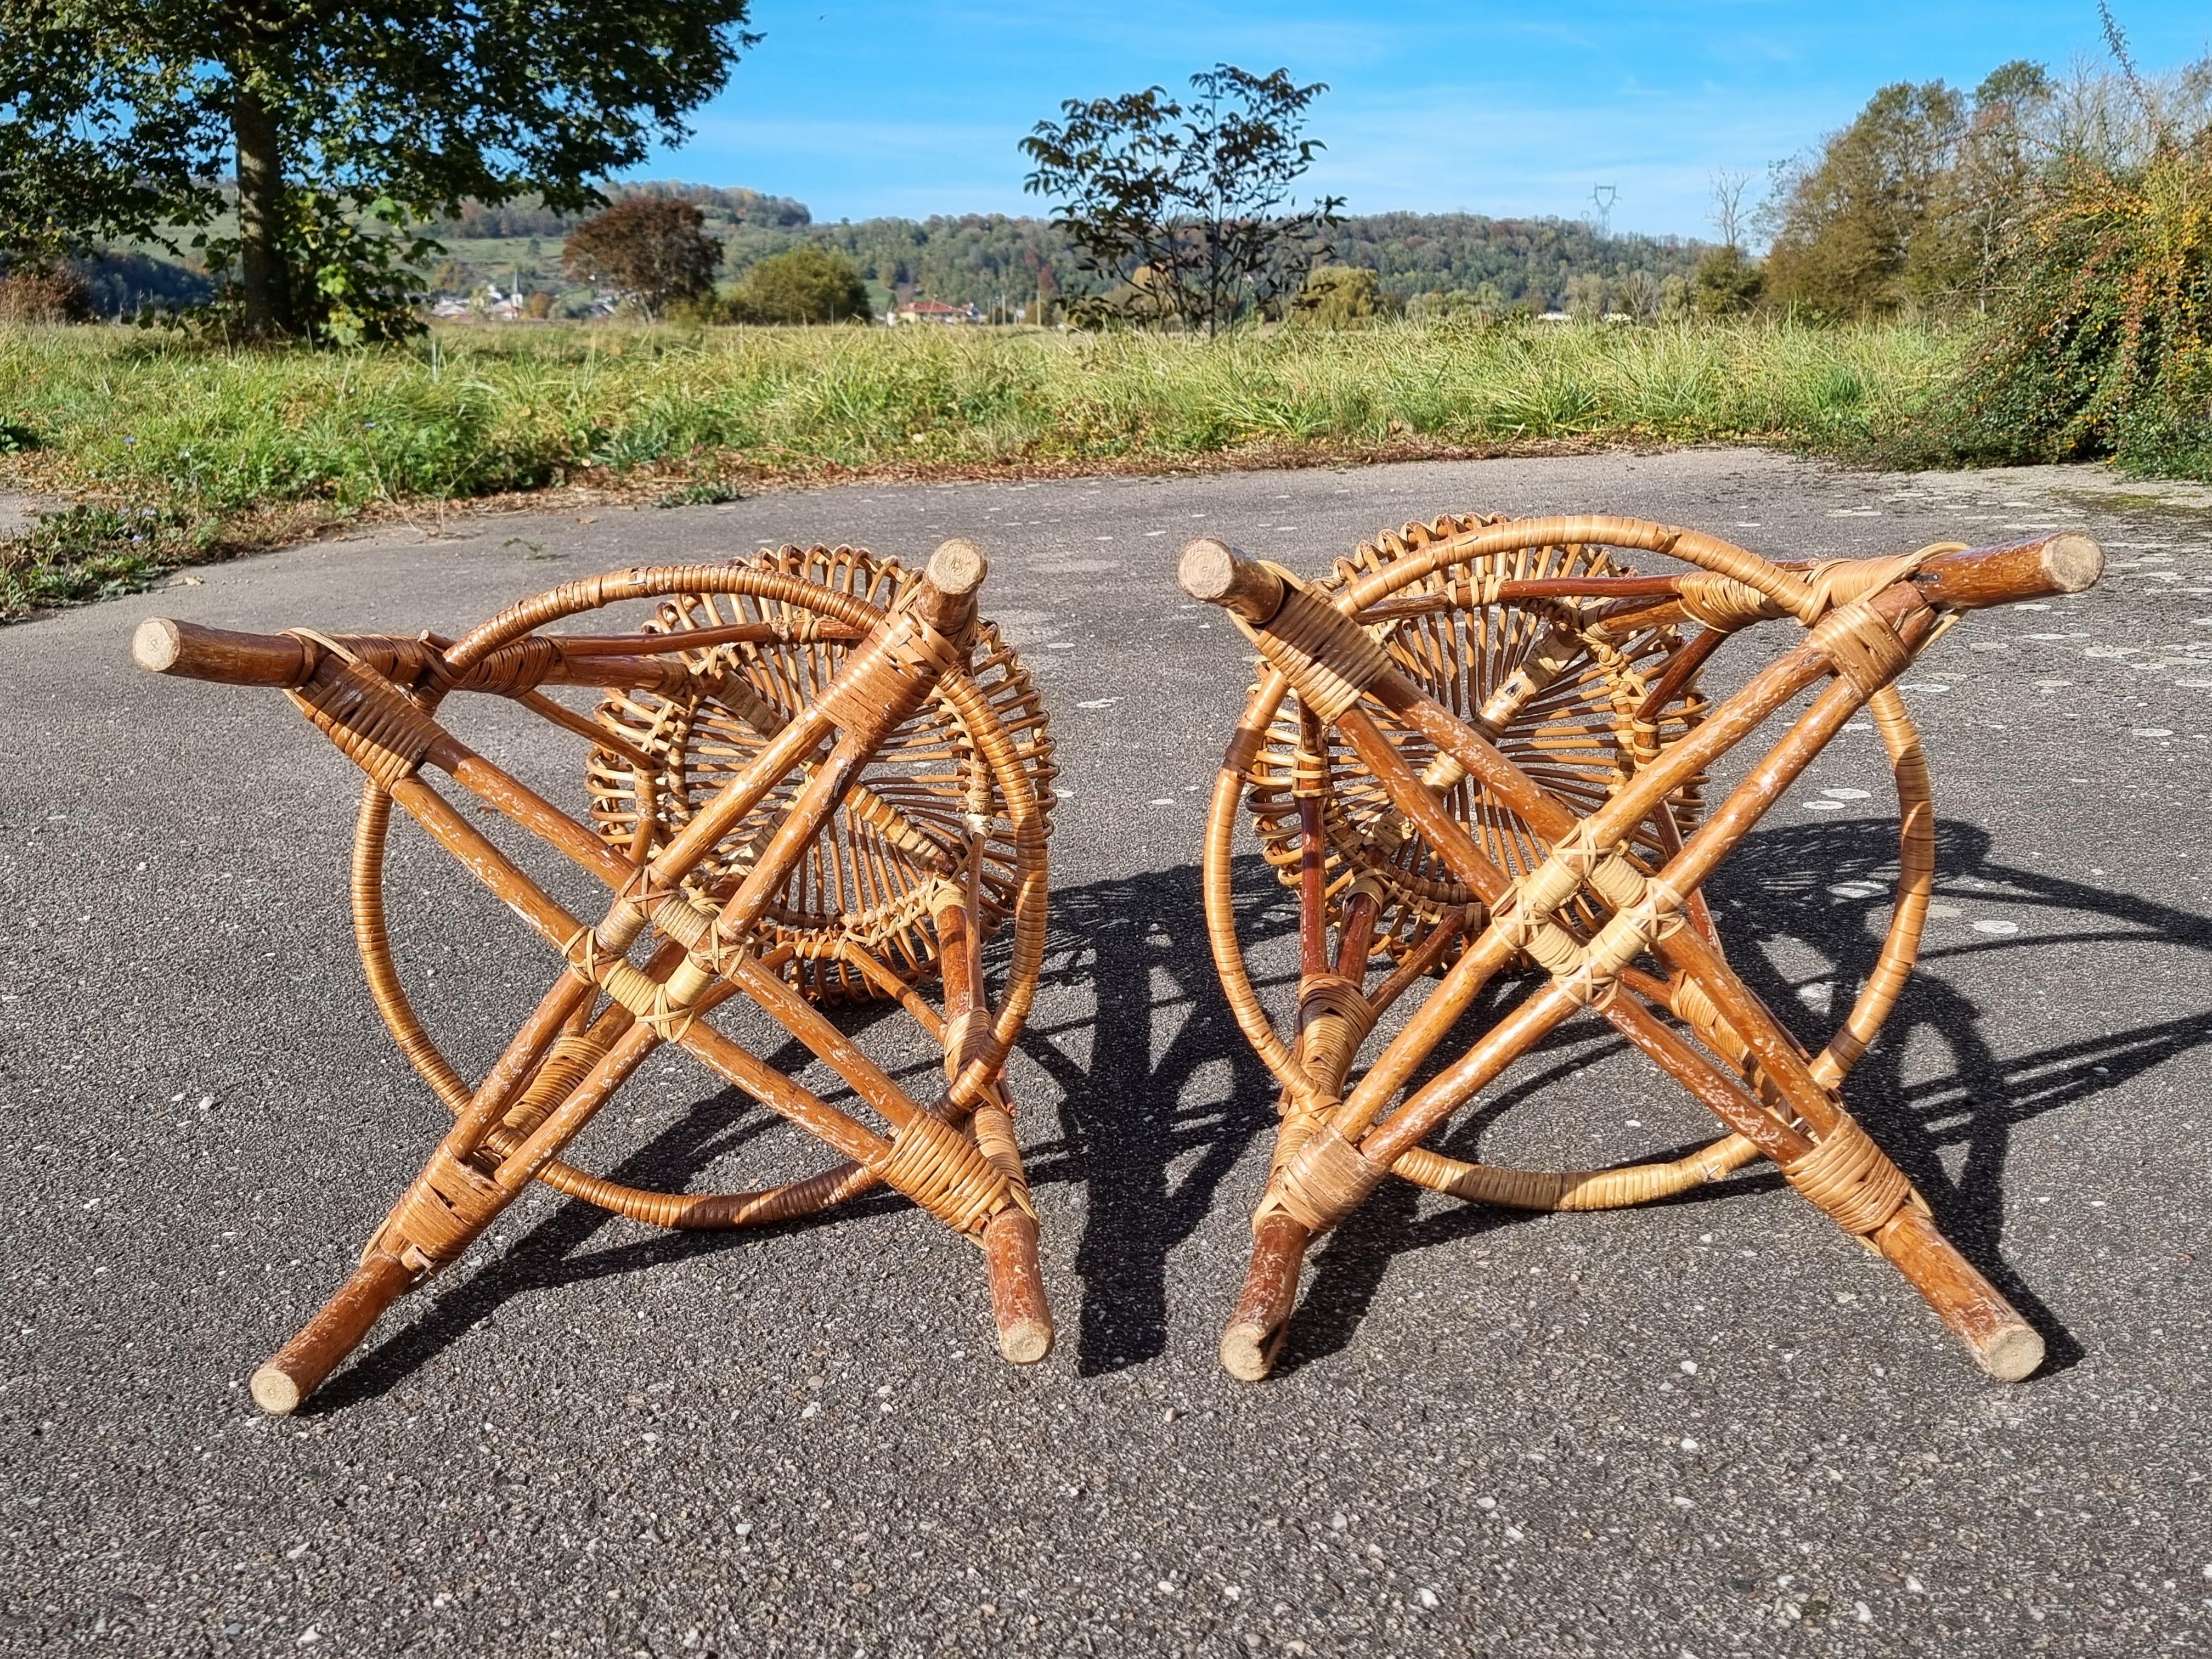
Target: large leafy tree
{"points": [[1846, 227], [1190, 205], [123, 120], [1979, 207]]}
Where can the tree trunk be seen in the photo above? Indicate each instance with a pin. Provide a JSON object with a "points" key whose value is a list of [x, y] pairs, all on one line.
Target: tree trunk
{"points": [[262, 277]]}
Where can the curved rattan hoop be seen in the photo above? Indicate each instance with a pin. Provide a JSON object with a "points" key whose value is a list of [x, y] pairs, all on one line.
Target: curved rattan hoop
{"points": [[843, 585], [597, 592], [1457, 558], [1419, 550]]}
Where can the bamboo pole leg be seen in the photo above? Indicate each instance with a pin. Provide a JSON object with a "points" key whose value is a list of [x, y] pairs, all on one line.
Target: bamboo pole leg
{"points": [[297, 1368], [1018, 1303], [2003, 1343], [1263, 1318]]}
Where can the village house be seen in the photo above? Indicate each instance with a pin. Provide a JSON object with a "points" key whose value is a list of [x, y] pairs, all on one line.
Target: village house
{"points": [[935, 311]]}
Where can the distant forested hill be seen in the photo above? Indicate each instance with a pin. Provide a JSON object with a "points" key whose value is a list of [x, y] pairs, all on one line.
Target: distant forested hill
{"points": [[987, 258], [725, 210], [1436, 252]]}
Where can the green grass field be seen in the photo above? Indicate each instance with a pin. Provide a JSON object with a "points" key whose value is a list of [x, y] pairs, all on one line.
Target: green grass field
{"points": [[182, 453]]}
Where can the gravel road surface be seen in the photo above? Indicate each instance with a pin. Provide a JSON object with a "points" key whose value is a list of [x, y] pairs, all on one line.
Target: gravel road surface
{"points": [[1715, 1427]]}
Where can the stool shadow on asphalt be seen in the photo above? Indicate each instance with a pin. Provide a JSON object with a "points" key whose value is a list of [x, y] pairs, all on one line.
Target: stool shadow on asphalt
{"points": [[1777, 888], [1137, 945], [1151, 1164]]}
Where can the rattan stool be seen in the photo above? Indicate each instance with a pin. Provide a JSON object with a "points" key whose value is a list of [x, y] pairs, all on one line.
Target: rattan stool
{"points": [[813, 774], [1479, 746]]}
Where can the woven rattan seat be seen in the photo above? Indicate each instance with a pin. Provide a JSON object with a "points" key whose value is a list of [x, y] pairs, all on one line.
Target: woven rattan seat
{"points": [[1479, 748], [813, 774]]}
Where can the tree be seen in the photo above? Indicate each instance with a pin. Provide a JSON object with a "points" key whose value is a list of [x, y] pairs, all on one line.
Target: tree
{"points": [[808, 284], [1979, 203], [1727, 281], [1728, 213], [1199, 198], [651, 248], [1845, 226], [1638, 294], [1337, 296], [340, 122]]}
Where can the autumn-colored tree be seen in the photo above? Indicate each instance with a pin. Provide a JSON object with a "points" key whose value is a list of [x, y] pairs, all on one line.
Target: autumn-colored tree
{"points": [[1979, 200], [651, 249], [44, 293]]}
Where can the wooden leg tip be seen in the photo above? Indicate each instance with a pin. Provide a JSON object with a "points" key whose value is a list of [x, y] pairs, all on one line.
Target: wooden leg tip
{"points": [[1025, 1341], [2014, 1353], [275, 1391], [1246, 1353]]}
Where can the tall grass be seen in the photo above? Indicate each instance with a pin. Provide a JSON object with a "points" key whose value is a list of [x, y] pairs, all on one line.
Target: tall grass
{"points": [[193, 439]]}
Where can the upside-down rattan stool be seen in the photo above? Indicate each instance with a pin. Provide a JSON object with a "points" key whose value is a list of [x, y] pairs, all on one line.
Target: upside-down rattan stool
{"points": [[814, 773], [1480, 746]]}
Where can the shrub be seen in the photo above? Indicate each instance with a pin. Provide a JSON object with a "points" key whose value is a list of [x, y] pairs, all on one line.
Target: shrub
{"points": [[2099, 339], [1336, 296], [55, 294], [1726, 283], [808, 284]]}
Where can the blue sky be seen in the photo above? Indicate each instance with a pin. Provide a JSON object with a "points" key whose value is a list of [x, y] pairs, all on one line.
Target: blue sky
{"points": [[860, 107]]}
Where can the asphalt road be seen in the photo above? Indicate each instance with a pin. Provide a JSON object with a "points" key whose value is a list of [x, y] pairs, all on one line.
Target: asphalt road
{"points": [[1710, 1427]]}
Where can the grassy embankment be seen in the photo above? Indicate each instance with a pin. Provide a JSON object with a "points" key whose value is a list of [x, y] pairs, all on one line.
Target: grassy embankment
{"points": [[177, 453]]}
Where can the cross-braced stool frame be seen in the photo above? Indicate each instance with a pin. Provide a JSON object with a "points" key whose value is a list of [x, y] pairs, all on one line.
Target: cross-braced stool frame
{"points": [[1481, 745], [814, 773]]}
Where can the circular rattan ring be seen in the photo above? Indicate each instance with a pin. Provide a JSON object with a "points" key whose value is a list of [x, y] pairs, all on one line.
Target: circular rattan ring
{"points": [[1578, 721], [937, 795]]}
